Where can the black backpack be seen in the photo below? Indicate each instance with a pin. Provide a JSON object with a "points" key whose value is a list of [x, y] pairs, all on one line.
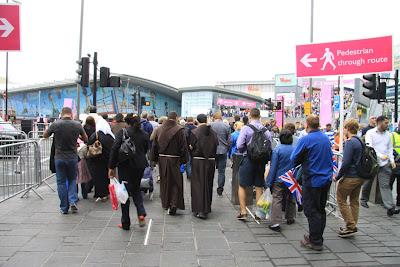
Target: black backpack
{"points": [[368, 167], [127, 150], [259, 148]]}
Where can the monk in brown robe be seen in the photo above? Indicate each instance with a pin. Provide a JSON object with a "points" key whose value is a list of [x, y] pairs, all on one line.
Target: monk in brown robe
{"points": [[170, 150], [203, 146]]}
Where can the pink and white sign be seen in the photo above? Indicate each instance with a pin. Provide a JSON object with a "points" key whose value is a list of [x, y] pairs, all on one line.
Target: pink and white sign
{"points": [[325, 115], [279, 114], [236, 103], [347, 57]]}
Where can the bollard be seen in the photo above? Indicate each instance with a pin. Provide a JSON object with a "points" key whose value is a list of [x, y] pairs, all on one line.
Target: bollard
{"points": [[237, 159]]}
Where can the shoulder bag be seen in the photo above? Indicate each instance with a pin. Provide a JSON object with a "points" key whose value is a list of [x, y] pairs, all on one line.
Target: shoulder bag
{"points": [[96, 149]]}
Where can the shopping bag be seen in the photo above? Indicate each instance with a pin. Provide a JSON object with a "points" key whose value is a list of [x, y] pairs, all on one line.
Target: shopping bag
{"points": [[113, 196], [264, 205], [120, 190], [84, 175]]}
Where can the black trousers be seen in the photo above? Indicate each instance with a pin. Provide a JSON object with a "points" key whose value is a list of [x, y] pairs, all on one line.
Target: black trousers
{"points": [[132, 178], [392, 179], [314, 201]]}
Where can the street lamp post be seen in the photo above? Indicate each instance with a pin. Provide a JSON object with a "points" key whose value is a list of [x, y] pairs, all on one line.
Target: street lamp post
{"points": [[78, 87], [311, 41]]}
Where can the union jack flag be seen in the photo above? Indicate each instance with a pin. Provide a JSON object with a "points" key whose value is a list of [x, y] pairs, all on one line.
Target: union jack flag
{"points": [[290, 181], [335, 166]]}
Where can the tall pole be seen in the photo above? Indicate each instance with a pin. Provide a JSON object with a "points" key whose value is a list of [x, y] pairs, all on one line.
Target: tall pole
{"points": [[341, 114], [95, 79], [78, 87], [311, 41], [6, 98], [396, 96]]}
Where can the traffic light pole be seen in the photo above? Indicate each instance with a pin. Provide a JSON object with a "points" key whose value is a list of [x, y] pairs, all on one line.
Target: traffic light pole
{"points": [[95, 79], [396, 96]]}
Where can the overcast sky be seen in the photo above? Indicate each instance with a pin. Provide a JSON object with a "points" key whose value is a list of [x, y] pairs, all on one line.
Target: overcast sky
{"points": [[186, 42]]}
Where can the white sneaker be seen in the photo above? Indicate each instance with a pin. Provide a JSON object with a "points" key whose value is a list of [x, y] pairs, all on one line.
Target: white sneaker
{"points": [[98, 199]]}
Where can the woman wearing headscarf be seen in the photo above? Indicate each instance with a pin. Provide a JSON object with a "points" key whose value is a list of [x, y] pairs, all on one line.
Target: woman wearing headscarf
{"points": [[98, 165], [131, 171]]}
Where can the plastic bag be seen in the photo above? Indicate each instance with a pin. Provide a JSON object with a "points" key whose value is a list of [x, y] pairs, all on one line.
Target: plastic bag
{"points": [[264, 205], [120, 190], [113, 196]]}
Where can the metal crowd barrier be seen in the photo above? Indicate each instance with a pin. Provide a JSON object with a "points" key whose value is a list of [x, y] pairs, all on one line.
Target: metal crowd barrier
{"points": [[331, 204], [45, 172], [20, 169]]}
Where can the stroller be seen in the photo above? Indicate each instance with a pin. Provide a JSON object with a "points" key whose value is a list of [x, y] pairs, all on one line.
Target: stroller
{"points": [[146, 184]]}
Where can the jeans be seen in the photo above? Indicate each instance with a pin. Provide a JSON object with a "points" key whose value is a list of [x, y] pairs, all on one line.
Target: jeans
{"points": [[220, 161], [384, 175], [189, 167], [349, 187], [66, 171], [314, 202]]}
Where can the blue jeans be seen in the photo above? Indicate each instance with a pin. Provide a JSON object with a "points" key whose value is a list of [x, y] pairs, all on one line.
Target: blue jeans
{"points": [[220, 161], [66, 172], [189, 167]]}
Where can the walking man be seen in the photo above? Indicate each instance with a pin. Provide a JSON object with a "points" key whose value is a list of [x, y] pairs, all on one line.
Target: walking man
{"points": [[396, 172], [223, 132], [252, 170], [349, 183], [170, 149], [379, 139], [188, 132], [66, 133], [203, 145], [314, 153]]}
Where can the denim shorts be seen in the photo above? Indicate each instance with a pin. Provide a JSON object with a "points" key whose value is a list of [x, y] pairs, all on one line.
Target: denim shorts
{"points": [[251, 173]]}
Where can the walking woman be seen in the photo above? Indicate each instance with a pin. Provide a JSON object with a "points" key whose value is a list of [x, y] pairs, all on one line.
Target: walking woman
{"points": [[131, 171], [98, 165], [86, 184]]}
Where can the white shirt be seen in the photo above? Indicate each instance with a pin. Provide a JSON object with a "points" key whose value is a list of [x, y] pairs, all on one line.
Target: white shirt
{"points": [[382, 145], [154, 124]]}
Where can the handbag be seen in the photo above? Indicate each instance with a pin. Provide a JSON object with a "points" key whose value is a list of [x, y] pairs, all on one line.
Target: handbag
{"points": [[127, 149], [96, 149]]}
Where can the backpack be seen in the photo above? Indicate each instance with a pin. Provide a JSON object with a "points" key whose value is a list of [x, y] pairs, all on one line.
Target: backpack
{"points": [[259, 148], [368, 167], [127, 150]]}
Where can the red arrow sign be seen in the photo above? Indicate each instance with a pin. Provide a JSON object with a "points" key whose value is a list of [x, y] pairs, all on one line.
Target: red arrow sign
{"points": [[347, 57], [9, 27]]}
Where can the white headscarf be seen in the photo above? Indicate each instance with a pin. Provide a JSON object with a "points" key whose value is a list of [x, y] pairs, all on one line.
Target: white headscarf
{"points": [[103, 126]]}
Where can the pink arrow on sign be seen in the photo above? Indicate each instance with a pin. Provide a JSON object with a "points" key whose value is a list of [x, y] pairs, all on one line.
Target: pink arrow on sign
{"points": [[9, 27]]}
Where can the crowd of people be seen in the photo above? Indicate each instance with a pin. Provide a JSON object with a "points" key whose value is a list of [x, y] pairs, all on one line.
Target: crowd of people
{"points": [[203, 145]]}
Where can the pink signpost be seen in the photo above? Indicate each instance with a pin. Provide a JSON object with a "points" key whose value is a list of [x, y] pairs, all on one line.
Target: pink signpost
{"points": [[325, 115]]}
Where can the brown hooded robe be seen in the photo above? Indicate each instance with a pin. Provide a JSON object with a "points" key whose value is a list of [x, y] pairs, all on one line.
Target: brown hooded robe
{"points": [[170, 149], [204, 143]]}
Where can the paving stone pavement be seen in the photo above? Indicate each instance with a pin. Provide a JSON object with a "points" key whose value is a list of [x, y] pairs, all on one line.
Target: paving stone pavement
{"points": [[34, 233]]}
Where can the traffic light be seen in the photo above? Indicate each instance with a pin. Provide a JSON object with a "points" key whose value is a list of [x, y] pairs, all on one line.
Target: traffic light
{"points": [[268, 104], [370, 84], [143, 101], [134, 99], [278, 106], [115, 81], [382, 91], [104, 77], [83, 71]]}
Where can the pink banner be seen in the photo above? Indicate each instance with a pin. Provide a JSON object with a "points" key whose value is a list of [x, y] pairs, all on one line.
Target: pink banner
{"points": [[325, 115], [279, 114], [236, 103]]}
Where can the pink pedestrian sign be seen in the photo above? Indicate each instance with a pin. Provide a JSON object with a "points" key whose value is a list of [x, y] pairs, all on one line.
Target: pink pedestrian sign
{"points": [[346, 57], [235, 103]]}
